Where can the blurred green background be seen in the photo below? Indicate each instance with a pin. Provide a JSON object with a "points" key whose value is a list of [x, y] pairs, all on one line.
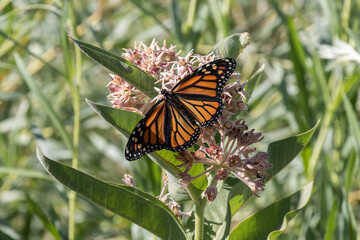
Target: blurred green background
{"points": [[311, 53]]}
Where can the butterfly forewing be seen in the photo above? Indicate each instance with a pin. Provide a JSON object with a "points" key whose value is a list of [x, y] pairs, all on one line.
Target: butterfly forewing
{"points": [[149, 133], [200, 92]]}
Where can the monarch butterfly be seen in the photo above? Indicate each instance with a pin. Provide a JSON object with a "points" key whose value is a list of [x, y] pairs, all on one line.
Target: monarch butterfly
{"points": [[173, 122]]}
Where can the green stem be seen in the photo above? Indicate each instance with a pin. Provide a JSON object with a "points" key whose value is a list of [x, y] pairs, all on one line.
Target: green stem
{"points": [[76, 106], [71, 228], [199, 220], [191, 13], [194, 197], [75, 92], [345, 14], [187, 28], [200, 205], [75, 161]]}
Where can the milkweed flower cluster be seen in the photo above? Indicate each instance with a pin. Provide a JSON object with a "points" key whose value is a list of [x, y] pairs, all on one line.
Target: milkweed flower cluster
{"points": [[164, 64], [233, 153]]}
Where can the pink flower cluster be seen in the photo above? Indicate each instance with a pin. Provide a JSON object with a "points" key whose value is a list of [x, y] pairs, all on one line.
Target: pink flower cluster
{"points": [[164, 64], [232, 153]]}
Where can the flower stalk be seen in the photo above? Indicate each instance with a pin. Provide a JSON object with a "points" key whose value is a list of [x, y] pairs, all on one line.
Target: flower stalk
{"points": [[199, 220]]}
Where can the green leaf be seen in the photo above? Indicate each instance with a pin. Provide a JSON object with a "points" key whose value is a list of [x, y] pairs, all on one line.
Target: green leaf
{"points": [[175, 13], [282, 152], [219, 18], [217, 219], [176, 192], [254, 80], [25, 48], [121, 67], [150, 11], [49, 110], [125, 122], [4, 236], [7, 233], [353, 121], [43, 218], [298, 57], [353, 162], [139, 207], [217, 213], [271, 221], [232, 45], [352, 166], [331, 221], [238, 196], [122, 120]]}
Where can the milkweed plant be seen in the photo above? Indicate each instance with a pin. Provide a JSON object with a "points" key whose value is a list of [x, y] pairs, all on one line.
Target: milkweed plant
{"points": [[234, 153], [215, 177]]}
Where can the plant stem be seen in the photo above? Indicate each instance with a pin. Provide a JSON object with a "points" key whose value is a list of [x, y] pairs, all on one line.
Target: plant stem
{"points": [[200, 205], [75, 92], [71, 228], [191, 13], [199, 220], [75, 161]]}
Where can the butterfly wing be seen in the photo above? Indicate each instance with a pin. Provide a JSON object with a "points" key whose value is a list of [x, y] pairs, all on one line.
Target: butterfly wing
{"points": [[172, 125], [183, 133], [149, 134], [163, 126], [200, 92]]}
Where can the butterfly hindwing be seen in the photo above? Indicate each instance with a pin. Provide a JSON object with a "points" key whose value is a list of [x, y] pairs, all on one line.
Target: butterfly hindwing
{"points": [[200, 92], [182, 133]]}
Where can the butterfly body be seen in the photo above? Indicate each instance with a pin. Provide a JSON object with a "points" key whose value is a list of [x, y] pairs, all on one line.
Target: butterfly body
{"points": [[174, 101], [173, 122]]}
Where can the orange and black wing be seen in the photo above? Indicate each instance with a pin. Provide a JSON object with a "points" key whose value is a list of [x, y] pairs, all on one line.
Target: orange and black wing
{"points": [[200, 92], [149, 134], [182, 131], [164, 126]]}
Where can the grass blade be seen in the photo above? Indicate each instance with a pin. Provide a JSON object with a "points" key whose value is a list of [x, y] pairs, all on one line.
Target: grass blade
{"points": [[43, 218], [147, 10], [176, 18], [355, 132], [254, 80], [31, 53], [44, 102]]}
